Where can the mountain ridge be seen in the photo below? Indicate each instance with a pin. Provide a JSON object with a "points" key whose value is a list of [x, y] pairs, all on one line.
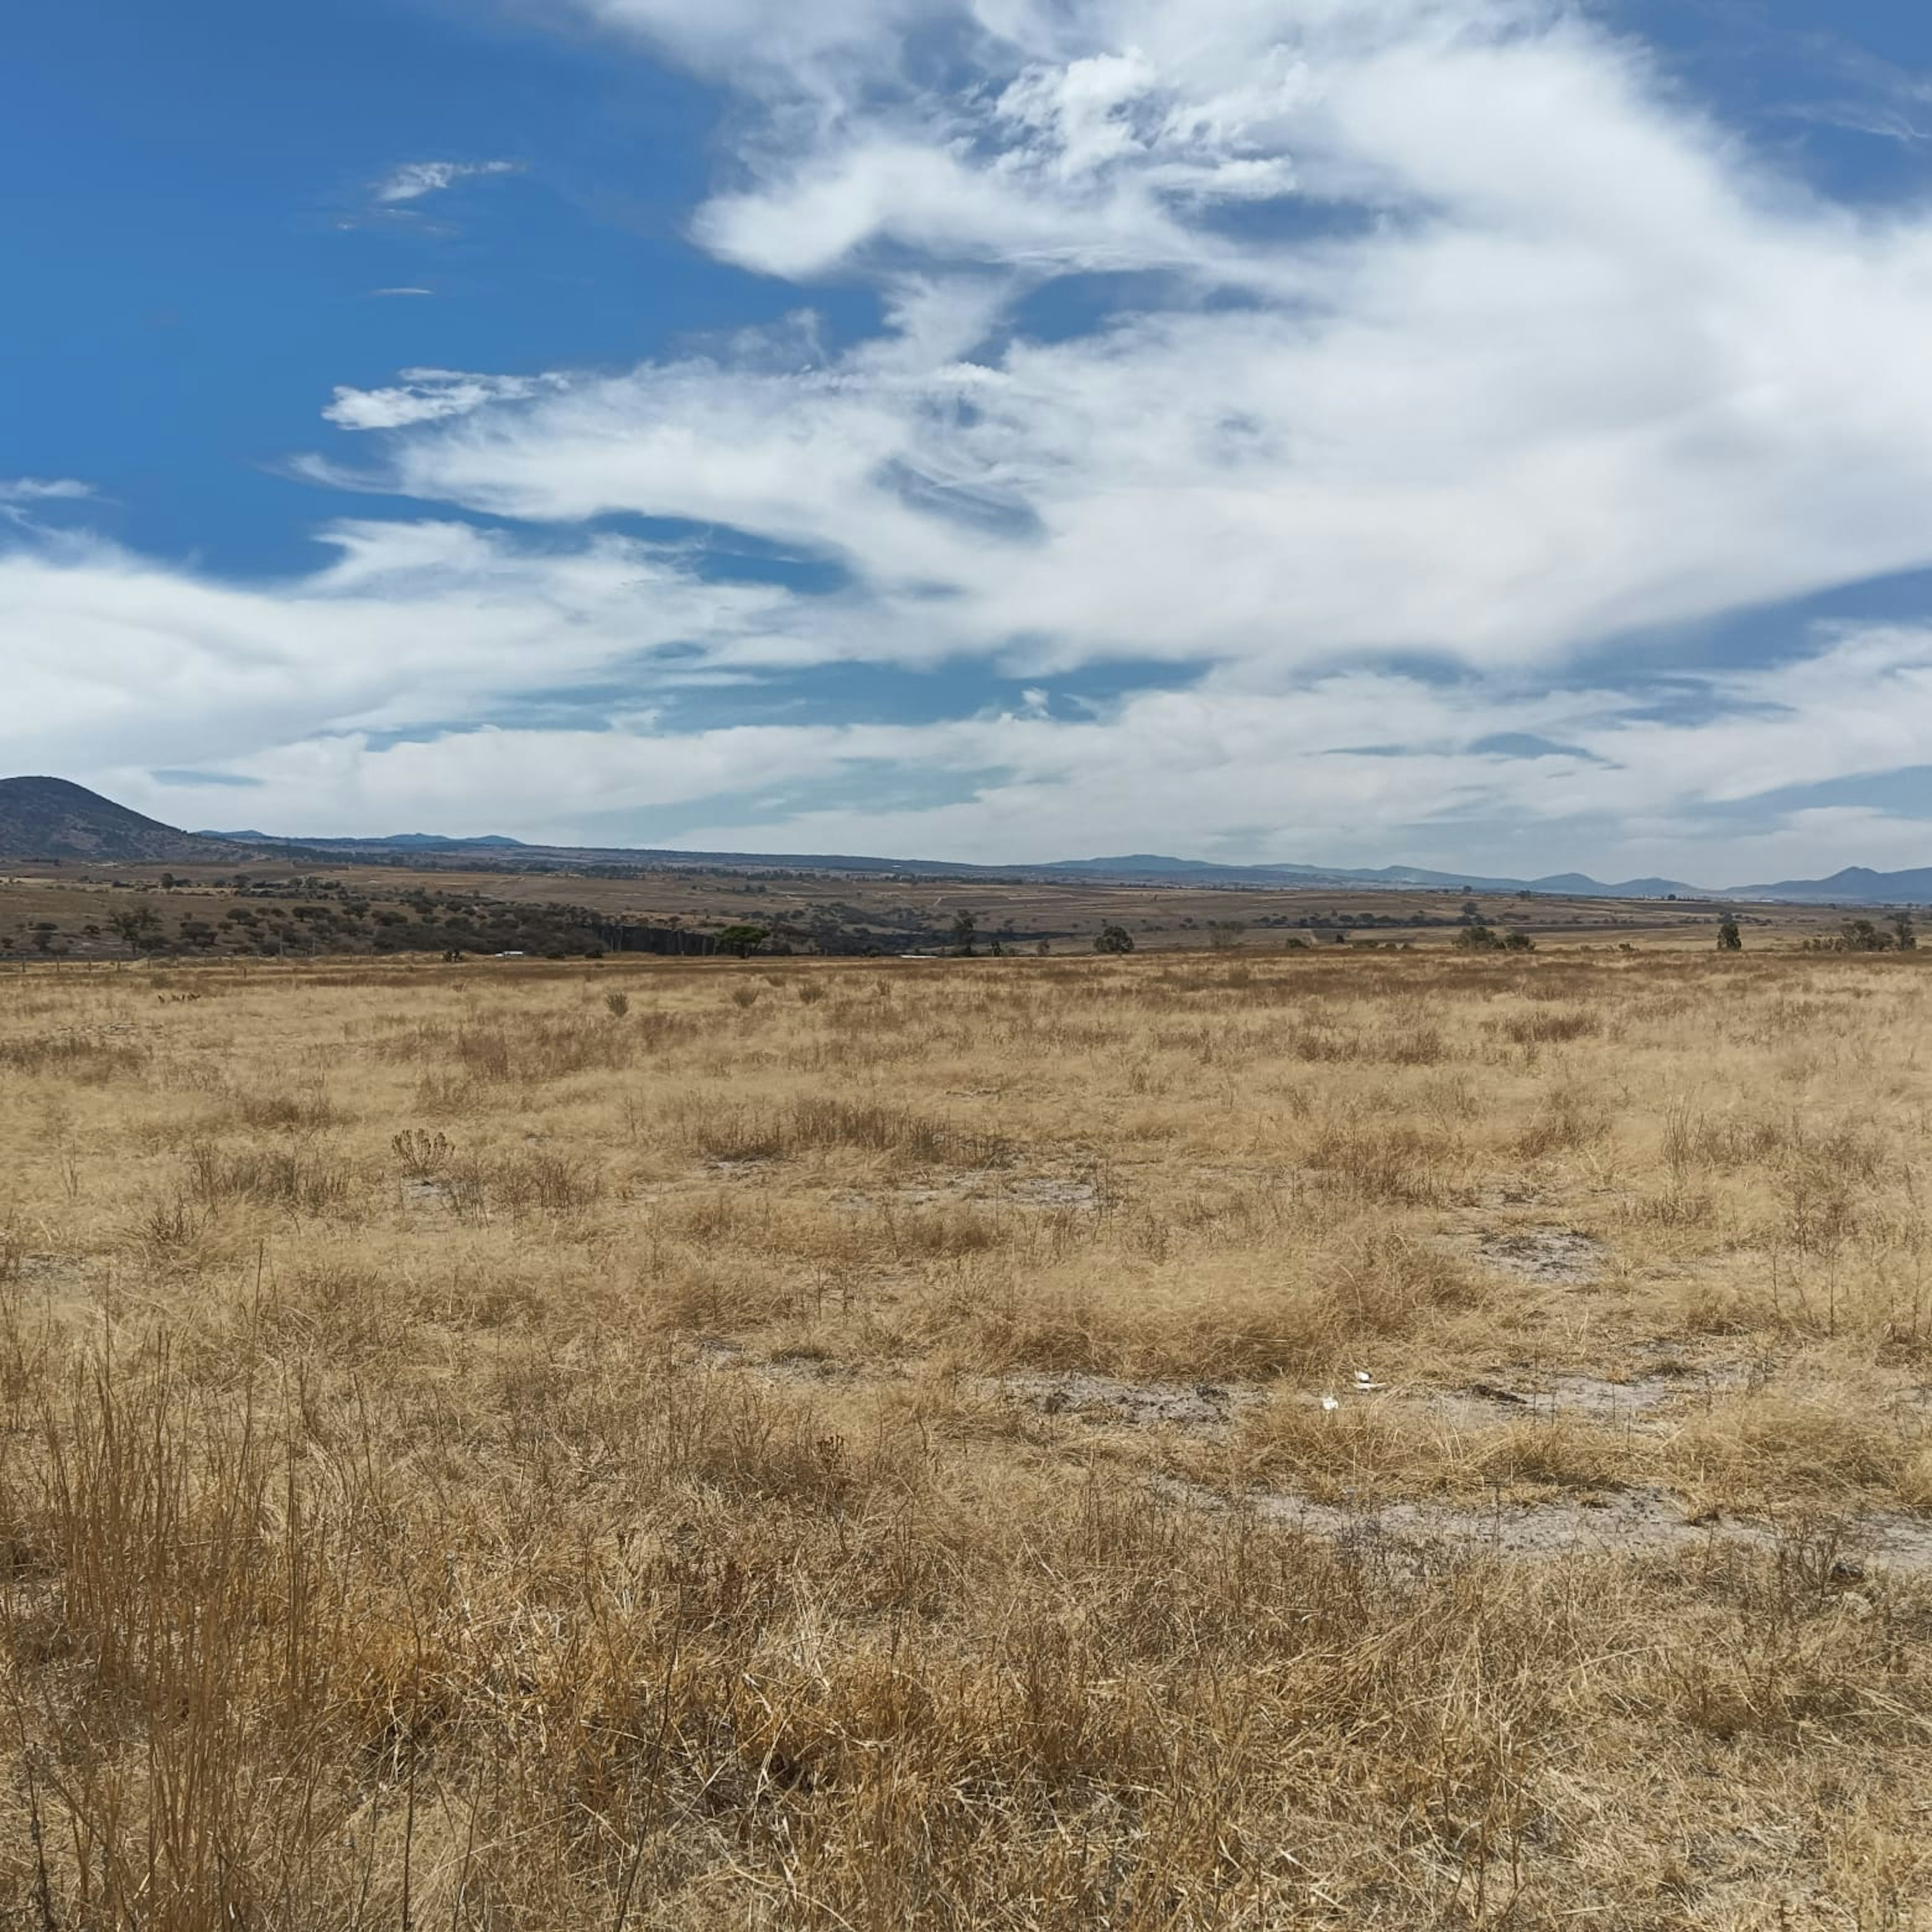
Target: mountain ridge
{"points": [[44, 818]]}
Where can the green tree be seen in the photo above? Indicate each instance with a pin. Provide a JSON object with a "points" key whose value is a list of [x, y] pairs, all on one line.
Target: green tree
{"points": [[1114, 939], [741, 939], [964, 925], [1477, 938], [1861, 935], [1905, 933], [1225, 934], [1729, 939], [136, 926]]}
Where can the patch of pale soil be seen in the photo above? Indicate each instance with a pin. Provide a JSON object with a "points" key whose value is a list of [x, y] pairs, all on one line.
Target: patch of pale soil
{"points": [[1631, 1522], [795, 1365], [1204, 1408], [1519, 1392], [988, 1187], [1562, 1256], [1493, 1196], [48, 1274]]}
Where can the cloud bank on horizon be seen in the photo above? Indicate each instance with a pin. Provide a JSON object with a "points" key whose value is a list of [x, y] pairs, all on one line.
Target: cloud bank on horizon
{"points": [[1360, 429]]}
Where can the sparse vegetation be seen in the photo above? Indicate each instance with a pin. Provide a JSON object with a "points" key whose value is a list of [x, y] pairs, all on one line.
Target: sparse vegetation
{"points": [[1362, 1438]]}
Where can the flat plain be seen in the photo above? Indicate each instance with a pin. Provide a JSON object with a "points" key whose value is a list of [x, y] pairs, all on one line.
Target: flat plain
{"points": [[1252, 1439], [287, 910]]}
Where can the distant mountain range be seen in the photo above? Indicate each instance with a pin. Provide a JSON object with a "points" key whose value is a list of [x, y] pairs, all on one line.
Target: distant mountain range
{"points": [[49, 818]]}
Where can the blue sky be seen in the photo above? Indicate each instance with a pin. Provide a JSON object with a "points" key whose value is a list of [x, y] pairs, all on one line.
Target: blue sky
{"points": [[1490, 433]]}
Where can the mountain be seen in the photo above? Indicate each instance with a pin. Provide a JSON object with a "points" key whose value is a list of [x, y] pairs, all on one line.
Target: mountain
{"points": [[1150, 867], [1856, 885], [50, 818], [44, 818], [1582, 886]]}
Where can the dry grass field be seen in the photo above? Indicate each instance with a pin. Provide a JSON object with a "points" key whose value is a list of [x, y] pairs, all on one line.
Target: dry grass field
{"points": [[1389, 1439]]}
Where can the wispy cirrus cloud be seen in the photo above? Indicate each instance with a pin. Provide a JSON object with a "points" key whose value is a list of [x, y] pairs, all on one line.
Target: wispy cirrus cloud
{"points": [[43, 489], [412, 180], [431, 395], [20, 495]]}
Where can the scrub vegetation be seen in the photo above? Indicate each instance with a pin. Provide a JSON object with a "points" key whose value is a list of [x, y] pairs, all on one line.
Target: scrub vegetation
{"points": [[1157, 1440]]}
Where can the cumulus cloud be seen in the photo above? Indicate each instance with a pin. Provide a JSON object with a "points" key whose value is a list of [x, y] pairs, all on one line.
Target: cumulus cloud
{"points": [[414, 179]]}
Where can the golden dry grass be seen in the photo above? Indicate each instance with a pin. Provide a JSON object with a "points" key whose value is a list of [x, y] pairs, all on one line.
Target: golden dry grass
{"points": [[839, 1445]]}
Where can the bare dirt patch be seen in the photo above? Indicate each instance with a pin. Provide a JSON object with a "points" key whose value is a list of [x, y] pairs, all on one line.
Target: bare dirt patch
{"points": [[1202, 1407], [988, 1187], [1516, 1392], [1556, 1254], [1640, 1521]]}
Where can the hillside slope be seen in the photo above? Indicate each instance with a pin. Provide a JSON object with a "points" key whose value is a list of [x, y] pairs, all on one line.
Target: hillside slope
{"points": [[52, 818]]}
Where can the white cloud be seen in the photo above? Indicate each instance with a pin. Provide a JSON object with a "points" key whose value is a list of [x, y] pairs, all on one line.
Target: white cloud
{"points": [[1305, 775], [414, 179], [112, 660], [1462, 336], [42, 490], [19, 495], [1437, 326], [431, 395]]}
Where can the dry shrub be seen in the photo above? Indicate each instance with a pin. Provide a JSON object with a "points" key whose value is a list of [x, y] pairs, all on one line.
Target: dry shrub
{"points": [[1325, 1041], [824, 1123], [1305, 1316], [86, 1058], [542, 1182], [655, 1032], [1550, 1028], [1382, 1281], [527, 1049], [301, 1182], [942, 1231], [1773, 1443], [171, 1232], [1569, 1117], [1371, 1449], [286, 1112], [1401, 1165], [422, 1152]]}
